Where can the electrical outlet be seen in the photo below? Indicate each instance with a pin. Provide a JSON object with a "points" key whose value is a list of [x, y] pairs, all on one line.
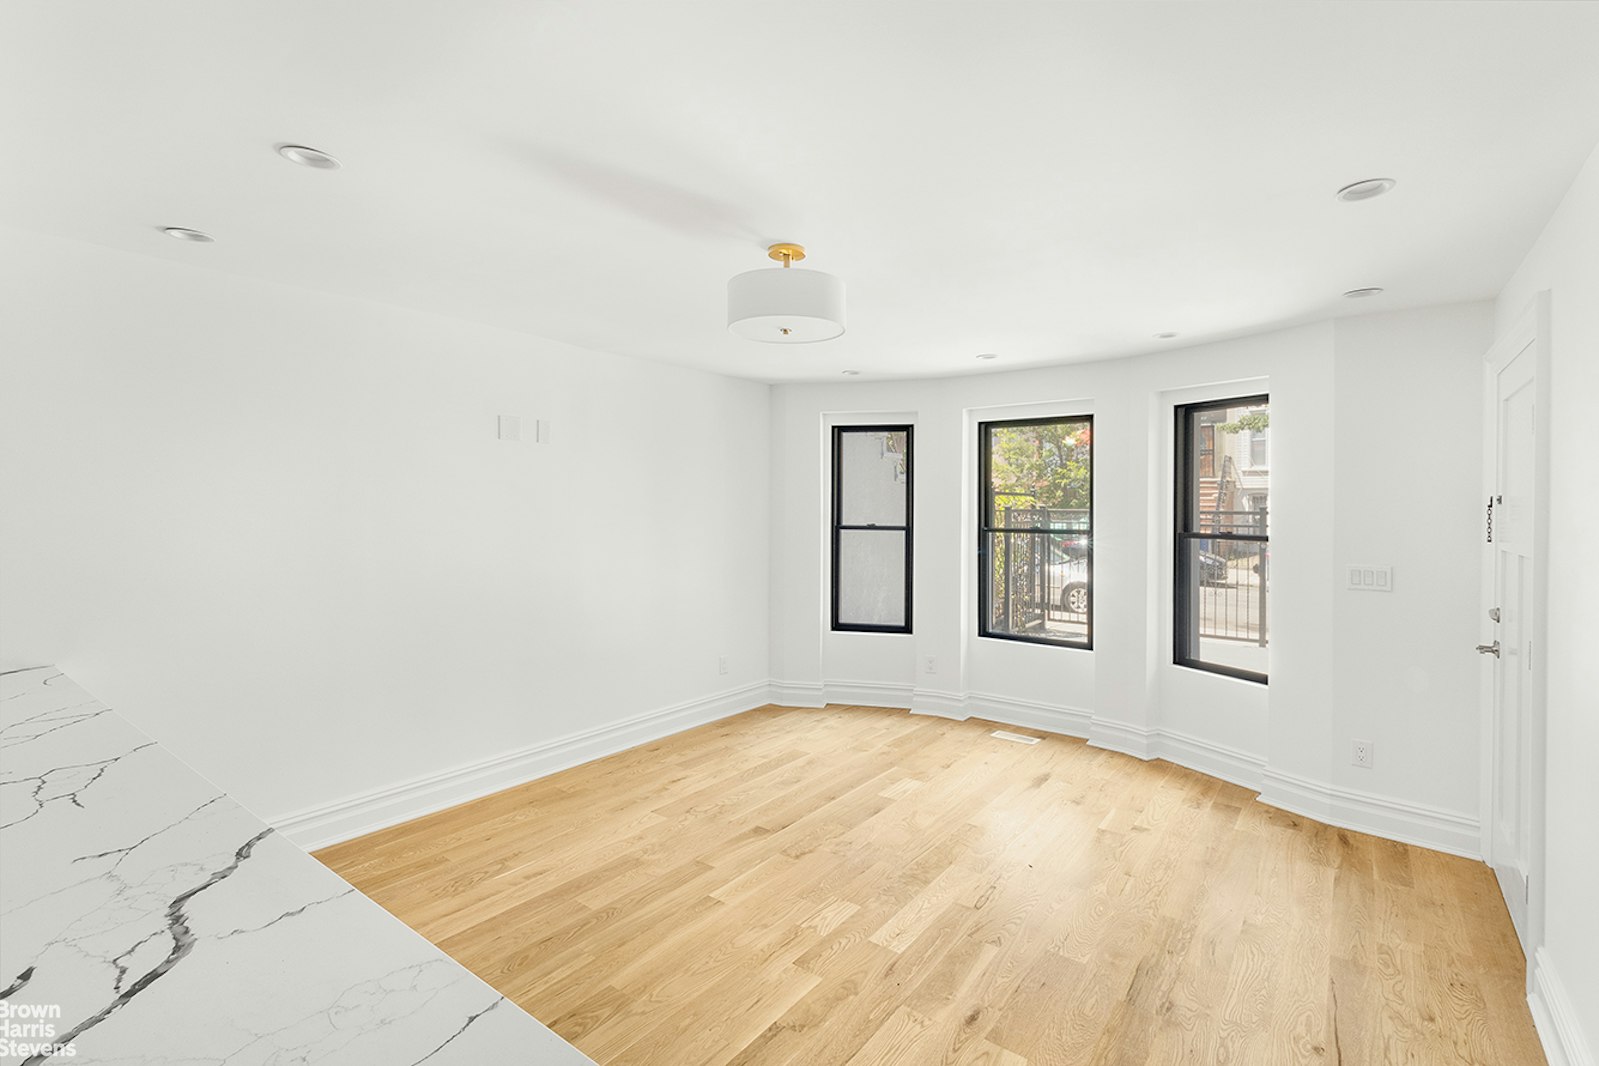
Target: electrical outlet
{"points": [[1361, 755], [930, 664], [721, 664]]}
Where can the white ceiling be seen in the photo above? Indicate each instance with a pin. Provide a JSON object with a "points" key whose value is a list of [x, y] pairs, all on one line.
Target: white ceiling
{"points": [[1048, 181]]}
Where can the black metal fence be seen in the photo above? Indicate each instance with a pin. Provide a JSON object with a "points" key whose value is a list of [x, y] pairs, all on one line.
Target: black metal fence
{"points": [[1040, 575], [1250, 523], [1037, 574], [1234, 576]]}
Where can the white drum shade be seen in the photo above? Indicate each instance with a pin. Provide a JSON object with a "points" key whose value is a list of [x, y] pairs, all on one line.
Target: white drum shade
{"points": [[762, 304]]}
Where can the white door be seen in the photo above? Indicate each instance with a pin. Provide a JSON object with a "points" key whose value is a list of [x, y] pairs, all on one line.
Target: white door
{"points": [[1514, 763]]}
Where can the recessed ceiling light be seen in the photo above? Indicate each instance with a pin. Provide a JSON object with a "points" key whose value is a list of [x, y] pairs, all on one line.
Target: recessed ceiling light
{"points": [[1365, 190], [850, 373], [988, 355], [181, 233], [1164, 336], [314, 158], [1360, 294]]}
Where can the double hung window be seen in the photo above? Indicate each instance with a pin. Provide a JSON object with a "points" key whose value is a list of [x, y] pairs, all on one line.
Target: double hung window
{"points": [[872, 472], [1035, 537], [1223, 537]]}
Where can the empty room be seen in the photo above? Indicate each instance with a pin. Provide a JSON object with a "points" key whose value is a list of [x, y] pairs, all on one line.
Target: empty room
{"points": [[726, 533]]}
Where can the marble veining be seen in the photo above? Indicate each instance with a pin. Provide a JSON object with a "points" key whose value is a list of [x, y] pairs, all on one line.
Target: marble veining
{"points": [[145, 917]]}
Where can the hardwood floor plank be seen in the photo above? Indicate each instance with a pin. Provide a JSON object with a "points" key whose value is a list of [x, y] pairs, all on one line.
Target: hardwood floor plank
{"points": [[856, 885]]}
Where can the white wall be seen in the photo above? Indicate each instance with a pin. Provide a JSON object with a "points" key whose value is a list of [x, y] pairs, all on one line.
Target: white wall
{"points": [[295, 551], [276, 528], [1409, 410], [1565, 261], [1364, 468]]}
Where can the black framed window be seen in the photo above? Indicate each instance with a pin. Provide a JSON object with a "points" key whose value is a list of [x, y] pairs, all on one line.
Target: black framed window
{"points": [[872, 473], [1035, 535], [1223, 538]]}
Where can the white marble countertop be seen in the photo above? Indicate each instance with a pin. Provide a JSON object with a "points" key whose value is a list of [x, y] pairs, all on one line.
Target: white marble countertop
{"points": [[145, 917]]}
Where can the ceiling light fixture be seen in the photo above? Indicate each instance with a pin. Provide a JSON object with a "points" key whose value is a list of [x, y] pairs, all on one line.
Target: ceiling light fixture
{"points": [[1164, 336], [314, 158], [850, 373], [182, 233], [785, 306], [1361, 294], [1365, 190], [988, 355]]}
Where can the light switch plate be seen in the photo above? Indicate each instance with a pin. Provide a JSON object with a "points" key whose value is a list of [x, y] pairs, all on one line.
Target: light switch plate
{"points": [[1364, 577], [509, 427]]}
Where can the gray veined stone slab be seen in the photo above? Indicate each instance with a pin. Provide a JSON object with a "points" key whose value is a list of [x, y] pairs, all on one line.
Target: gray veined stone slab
{"points": [[169, 925]]}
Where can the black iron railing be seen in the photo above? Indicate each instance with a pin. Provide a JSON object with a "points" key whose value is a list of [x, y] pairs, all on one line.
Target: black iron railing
{"points": [[1043, 577], [1233, 575]]}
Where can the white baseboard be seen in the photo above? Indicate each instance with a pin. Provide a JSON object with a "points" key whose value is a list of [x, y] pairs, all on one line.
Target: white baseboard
{"points": [[1366, 812], [848, 693], [1207, 757], [353, 816], [1401, 820], [868, 694], [1559, 1028], [1118, 736], [941, 704], [1410, 823], [799, 693], [1030, 714], [1218, 760]]}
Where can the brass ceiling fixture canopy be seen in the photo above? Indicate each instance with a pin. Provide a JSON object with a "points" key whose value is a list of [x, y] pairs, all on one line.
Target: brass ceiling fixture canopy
{"points": [[785, 253], [785, 306]]}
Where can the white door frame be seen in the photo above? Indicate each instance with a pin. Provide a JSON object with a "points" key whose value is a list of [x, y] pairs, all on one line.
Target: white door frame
{"points": [[1530, 330]]}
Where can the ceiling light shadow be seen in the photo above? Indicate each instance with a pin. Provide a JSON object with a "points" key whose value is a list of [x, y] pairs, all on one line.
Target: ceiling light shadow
{"points": [[644, 197]]}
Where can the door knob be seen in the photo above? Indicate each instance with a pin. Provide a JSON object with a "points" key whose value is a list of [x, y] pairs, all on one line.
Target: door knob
{"points": [[1489, 649]]}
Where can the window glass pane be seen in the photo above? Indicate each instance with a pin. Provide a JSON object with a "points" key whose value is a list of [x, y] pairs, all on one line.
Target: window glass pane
{"points": [[1227, 583], [1230, 488], [872, 475], [871, 577], [871, 566], [1039, 585], [1039, 475], [1258, 456]]}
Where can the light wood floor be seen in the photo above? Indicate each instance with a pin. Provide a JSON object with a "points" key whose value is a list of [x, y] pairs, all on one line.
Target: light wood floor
{"points": [[854, 885]]}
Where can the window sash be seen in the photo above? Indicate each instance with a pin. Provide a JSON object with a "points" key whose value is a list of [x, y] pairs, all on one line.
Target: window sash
{"points": [[1189, 455], [988, 529], [839, 527]]}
